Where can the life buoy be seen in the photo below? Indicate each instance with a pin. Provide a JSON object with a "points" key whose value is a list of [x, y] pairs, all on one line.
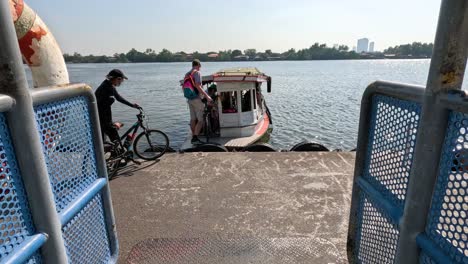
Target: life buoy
{"points": [[38, 47]]}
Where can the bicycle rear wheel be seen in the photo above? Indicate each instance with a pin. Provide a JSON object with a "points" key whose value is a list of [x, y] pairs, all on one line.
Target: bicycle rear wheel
{"points": [[151, 144], [113, 156], [112, 167]]}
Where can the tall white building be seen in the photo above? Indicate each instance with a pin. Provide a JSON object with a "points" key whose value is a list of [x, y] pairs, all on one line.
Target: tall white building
{"points": [[362, 45], [371, 46]]}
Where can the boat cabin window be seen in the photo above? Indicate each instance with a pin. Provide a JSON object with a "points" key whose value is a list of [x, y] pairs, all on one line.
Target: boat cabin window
{"points": [[229, 102], [258, 96], [246, 100]]}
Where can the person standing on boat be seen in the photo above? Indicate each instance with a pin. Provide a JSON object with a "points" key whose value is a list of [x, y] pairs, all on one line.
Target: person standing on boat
{"points": [[192, 87], [106, 94]]}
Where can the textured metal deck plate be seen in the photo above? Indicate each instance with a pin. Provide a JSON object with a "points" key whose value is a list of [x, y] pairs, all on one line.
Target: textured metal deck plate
{"points": [[235, 250]]}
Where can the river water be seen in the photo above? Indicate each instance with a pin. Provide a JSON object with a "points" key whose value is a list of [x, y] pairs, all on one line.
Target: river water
{"points": [[310, 100]]}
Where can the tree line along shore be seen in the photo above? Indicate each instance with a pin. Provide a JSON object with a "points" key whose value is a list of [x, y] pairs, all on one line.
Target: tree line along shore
{"points": [[415, 50]]}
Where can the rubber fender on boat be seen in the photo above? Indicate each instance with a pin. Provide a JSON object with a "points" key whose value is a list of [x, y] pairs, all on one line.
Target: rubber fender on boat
{"points": [[269, 84], [260, 147], [309, 146], [268, 113], [207, 148]]}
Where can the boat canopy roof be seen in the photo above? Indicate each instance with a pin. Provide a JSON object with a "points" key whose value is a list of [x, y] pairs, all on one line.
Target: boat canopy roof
{"points": [[247, 74], [239, 71], [238, 75]]}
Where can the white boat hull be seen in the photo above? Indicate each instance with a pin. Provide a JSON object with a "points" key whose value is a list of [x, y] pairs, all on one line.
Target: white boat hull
{"points": [[234, 143]]}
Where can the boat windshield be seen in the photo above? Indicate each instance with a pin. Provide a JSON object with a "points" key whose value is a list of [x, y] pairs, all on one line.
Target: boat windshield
{"points": [[229, 102]]}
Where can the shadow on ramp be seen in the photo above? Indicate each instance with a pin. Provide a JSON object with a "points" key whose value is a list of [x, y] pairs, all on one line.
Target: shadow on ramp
{"points": [[131, 168]]}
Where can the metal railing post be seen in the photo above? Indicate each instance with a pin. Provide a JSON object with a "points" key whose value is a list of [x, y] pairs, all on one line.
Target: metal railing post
{"points": [[25, 138], [102, 170], [446, 73]]}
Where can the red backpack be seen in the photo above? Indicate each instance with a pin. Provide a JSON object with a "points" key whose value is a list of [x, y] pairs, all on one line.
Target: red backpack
{"points": [[189, 89]]}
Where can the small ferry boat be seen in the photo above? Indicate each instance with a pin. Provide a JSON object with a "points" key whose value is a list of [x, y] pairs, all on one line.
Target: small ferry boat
{"points": [[239, 114]]}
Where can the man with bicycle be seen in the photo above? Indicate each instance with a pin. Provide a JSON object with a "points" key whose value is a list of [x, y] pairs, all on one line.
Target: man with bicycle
{"points": [[192, 88], [106, 94]]}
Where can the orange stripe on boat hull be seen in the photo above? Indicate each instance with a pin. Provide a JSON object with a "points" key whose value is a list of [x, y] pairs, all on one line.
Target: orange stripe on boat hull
{"points": [[264, 125]]}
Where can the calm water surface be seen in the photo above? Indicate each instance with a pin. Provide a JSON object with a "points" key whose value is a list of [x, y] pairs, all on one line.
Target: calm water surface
{"points": [[311, 100]]}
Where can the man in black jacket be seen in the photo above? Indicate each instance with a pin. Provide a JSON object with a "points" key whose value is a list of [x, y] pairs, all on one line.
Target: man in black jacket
{"points": [[106, 94]]}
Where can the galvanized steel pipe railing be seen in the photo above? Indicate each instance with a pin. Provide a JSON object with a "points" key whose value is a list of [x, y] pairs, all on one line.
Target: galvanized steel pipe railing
{"points": [[28, 148], [446, 73]]}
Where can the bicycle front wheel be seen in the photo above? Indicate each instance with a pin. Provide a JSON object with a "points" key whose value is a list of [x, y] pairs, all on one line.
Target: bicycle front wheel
{"points": [[208, 130], [151, 144]]}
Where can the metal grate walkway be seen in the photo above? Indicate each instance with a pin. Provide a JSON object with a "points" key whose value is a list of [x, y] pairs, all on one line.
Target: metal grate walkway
{"points": [[235, 250]]}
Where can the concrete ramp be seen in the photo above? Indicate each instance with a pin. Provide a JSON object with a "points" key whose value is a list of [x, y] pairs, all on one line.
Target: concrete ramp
{"points": [[235, 208]]}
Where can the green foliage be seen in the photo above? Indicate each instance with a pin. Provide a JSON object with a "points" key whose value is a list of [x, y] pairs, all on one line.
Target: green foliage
{"points": [[235, 53], [416, 49], [315, 52], [251, 53], [322, 52]]}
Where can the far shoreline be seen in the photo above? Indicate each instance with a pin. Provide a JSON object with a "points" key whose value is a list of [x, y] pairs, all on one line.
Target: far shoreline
{"points": [[252, 61]]}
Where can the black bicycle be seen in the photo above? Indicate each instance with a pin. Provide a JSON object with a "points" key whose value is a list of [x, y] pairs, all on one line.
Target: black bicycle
{"points": [[148, 145], [208, 129]]}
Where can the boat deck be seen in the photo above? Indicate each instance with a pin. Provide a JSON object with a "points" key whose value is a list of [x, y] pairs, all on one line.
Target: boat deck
{"points": [[235, 208], [232, 143]]}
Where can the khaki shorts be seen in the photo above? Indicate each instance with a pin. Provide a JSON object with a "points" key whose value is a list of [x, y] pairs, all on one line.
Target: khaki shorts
{"points": [[196, 107]]}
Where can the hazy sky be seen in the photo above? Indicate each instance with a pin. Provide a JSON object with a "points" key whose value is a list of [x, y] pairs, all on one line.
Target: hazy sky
{"points": [[109, 26]]}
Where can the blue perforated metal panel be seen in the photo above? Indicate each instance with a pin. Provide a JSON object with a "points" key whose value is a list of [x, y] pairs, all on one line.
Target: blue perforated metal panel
{"points": [[377, 235], [15, 218], [85, 235], [448, 219], [65, 131], [392, 139], [389, 157], [425, 259]]}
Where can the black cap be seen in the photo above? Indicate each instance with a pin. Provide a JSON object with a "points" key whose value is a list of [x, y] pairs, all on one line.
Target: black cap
{"points": [[116, 73]]}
